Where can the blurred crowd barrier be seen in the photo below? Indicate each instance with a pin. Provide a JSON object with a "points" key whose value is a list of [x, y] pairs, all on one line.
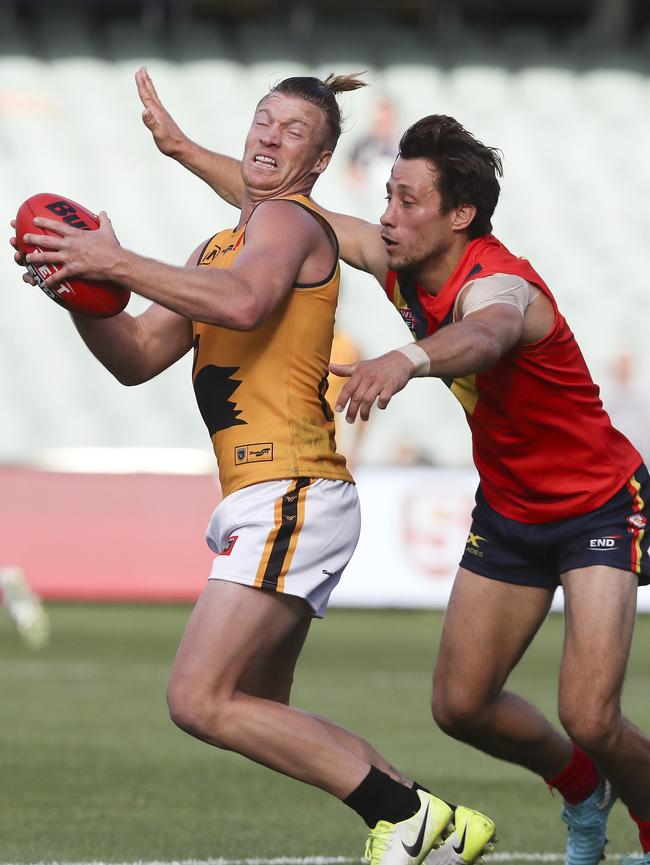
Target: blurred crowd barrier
{"points": [[574, 130], [138, 537]]}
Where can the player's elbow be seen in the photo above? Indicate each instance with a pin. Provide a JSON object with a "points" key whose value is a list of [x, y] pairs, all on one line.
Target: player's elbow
{"points": [[132, 372], [488, 356], [249, 313], [129, 377], [242, 320], [491, 347], [252, 319], [245, 311]]}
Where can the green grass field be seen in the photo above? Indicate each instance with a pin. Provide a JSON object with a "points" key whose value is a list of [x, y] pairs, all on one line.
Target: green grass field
{"points": [[93, 770]]}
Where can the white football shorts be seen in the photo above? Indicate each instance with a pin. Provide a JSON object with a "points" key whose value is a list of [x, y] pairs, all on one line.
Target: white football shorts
{"points": [[294, 536]]}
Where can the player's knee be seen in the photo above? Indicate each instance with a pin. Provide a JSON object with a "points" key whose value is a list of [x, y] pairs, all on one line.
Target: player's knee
{"points": [[456, 714], [197, 714], [591, 725], [184, 710]]}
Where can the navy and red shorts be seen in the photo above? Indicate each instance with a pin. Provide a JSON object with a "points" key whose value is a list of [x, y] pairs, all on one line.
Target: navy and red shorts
{"points": [[615, 534]]}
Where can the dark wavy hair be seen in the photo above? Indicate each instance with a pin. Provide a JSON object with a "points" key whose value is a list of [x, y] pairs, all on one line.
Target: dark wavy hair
{"points": [[467, 170]]}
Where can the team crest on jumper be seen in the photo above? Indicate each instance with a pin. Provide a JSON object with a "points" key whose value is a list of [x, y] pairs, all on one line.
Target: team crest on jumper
{"points": [[260, 452]]}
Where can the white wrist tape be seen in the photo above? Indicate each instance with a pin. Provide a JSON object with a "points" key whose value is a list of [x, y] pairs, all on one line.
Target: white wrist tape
{"points": [[418, 357]]}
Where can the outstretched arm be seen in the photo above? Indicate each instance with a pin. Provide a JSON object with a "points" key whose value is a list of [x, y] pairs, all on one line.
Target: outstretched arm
{"points": [[464, 348], [360, 242], [222, 173]]}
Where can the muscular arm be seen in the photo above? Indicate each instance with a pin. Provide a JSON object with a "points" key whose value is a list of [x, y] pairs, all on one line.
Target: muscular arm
{"points": [[136, 348], [360, 242], [474, 344], [132, 348], [458, 350], [221, 173], [280, 238]]}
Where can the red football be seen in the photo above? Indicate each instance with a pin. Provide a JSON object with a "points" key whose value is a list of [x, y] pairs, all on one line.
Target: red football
{"points": [[96, 299]]}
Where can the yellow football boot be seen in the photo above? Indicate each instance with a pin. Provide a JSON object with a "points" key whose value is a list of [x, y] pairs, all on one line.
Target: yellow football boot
{"points": [[410, 841], [472, 836]]}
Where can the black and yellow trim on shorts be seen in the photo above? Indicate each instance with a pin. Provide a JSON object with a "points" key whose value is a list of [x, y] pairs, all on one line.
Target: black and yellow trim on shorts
{"points": [[283, 537]]}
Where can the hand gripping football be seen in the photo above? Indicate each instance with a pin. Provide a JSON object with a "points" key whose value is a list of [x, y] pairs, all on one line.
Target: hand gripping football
{"points": [[96, 299]]}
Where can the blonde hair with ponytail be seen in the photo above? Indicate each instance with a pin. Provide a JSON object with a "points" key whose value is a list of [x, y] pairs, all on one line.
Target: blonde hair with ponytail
{"points": [[322, 94]]}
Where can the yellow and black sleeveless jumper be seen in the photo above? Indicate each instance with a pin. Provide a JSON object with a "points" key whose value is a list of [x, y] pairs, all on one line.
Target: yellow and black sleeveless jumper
{"points": [[261, 393]]}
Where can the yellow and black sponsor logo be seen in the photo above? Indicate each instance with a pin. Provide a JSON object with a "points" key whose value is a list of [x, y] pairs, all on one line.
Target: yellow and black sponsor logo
{"points": [[473, 545], [261, 452]]}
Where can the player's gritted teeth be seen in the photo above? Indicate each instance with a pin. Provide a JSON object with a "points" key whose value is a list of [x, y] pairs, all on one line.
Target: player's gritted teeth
{"points": [[264, 161]]}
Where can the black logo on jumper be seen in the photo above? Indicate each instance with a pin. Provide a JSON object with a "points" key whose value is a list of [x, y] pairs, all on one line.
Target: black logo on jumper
{"points": [[68, 214], [262, 452], [209, 257], [213, 387], [216, 250]]}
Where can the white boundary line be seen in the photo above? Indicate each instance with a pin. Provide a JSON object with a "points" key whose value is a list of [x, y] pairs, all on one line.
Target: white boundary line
{"points": [[325, 860]]}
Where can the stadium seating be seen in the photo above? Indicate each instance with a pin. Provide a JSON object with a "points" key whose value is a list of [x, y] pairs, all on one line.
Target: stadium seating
{"points": [[575, 192]]}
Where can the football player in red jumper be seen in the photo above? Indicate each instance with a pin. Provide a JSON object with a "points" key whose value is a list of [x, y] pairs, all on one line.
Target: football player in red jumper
{"points": [[562, 494]]}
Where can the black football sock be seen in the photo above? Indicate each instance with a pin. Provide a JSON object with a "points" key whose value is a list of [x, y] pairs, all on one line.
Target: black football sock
{"points": [[379, 797], [417, 786]]}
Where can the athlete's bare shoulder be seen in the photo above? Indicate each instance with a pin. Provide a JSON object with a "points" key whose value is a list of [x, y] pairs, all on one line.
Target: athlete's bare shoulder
{"points": [[287, 215], [303, 233], [539, 320]]}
